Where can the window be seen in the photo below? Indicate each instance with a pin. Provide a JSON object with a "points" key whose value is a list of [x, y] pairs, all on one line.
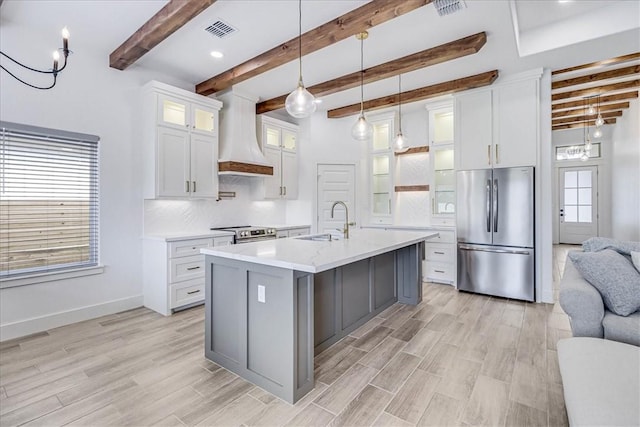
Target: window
{"points": [[48, 201], [574, 152]]}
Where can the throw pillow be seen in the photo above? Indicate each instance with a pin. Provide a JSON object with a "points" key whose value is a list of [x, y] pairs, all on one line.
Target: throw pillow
{"points": [[613, 276], [635, 258], [596, 244]]}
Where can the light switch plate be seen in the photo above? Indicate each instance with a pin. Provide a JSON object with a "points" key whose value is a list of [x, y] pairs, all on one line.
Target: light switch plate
{"points": [[262, 294]]}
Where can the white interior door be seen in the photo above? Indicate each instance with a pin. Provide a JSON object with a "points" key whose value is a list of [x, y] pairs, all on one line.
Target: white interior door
{"points": [[578, 194], [335, 183]]}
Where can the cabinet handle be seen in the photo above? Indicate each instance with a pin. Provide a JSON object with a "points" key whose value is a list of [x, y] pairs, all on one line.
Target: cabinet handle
{"points": [[439, 271], [439, 253], [433, 205], [194, 186], [193, 292], [497, 154], [285, 191], [489, 154], [187, 187], [193, 268], [280, 194]]}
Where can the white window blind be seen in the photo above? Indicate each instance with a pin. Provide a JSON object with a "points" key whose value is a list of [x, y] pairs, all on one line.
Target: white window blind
{"points": [[48, 200]]}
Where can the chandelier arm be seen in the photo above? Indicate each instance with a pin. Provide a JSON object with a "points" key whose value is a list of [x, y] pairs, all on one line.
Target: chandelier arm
{"points": [[29, 84], [26, 66]]}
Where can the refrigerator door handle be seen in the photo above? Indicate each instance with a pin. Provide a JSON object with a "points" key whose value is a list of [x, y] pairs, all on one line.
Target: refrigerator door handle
{"points": [[488, 212], [496, 251], [495, 205]]}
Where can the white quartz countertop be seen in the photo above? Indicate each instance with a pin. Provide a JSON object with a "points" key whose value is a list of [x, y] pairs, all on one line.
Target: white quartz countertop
{"points": [[173, 237], [317, 256], [411, 227], [288, 226]]}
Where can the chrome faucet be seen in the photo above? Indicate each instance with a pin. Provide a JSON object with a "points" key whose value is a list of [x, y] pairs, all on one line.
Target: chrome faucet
{"points": [[345, 231]]}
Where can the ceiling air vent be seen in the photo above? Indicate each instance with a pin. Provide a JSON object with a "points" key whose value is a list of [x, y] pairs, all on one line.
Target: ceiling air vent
{"points": [[447, 7], [220, 29]]}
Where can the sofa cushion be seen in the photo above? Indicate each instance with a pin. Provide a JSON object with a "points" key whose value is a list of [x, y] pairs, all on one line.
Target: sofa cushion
{"points": [[614, 276], [596, 244], [635, 258], [622, 329], [601, 382]]}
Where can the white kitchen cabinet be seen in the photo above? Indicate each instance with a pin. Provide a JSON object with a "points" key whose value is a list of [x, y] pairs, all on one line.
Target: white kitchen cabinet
{"points": [[279, 145], [441, 163], [498, 128], [174, 272], [381, 167], [180, 140], [440, 258]]}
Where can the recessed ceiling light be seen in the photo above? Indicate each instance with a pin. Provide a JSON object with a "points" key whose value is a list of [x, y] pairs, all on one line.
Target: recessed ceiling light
{"points": [[216, 54], [565, 1]]}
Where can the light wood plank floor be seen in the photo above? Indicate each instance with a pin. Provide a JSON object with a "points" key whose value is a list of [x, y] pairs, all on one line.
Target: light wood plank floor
{"points": [[455, 359]]}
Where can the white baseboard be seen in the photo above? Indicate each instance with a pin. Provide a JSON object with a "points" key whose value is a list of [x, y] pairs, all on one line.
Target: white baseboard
{"points": [[39, 324]]}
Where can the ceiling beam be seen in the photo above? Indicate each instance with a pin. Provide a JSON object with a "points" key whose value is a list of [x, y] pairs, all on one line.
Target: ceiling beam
{"points": [[583, 111], [582, 124], [369, 15], [435, 55], [445, 88], [605, 115], [170, 18], [607, 98], [616, 60], [590, 78], [597, 90]]}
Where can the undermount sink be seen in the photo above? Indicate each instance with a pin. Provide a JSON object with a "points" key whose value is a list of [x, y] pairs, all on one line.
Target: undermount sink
{"points": [[318, 238]]}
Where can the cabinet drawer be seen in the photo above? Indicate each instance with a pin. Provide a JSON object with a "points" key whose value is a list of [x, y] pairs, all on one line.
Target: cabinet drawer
{"points": [[441, 272], [444, 237], [298, 232], [186, 268], [188, 247], [440, 253], [186, 293]]}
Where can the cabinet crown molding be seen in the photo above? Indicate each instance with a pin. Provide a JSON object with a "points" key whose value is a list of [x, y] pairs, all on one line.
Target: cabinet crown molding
{"points": [[159, 87]]}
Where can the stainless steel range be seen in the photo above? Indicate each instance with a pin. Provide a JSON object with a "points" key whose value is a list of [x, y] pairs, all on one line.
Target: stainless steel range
{"points": [[247, 234]]}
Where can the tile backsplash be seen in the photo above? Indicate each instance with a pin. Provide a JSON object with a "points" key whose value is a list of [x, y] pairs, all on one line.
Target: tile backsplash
{"points": [[177, 216]]}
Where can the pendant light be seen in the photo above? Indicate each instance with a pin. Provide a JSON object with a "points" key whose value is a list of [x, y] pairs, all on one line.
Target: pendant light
{"points": [[362, 129], [586, 148], [400, 143], [300, 103], [599, 120]]}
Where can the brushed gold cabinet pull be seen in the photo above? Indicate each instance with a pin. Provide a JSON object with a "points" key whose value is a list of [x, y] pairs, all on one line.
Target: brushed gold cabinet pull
{"points": [[489, 154], [497, 154]]}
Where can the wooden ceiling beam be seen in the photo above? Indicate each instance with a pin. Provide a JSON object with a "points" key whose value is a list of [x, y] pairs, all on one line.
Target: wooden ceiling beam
{"points": [[605, 115], [616, 60], [168, 20], [597, 90], [445, 88], [607, 98], [583, 111], [590, 78], [582, 124], [367, 16], [435, 55]]}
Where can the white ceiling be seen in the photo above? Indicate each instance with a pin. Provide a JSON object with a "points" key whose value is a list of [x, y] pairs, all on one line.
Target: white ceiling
{"points": [[262, 24]]}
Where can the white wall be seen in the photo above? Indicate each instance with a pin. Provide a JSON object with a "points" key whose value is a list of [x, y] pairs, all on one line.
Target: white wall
{"points": [[92, 98], [625, 176]]}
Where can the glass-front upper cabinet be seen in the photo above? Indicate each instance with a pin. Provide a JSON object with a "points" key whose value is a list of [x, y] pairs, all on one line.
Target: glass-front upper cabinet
{"points": [[180, 114], [381, 165], [443, 178]]}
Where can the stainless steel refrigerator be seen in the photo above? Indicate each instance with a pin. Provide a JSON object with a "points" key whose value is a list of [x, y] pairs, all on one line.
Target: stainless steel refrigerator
{"points": [[495, 227]]}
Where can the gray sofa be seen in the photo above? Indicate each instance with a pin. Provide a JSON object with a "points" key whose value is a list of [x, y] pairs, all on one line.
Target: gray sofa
{"points": [[588, 314]]}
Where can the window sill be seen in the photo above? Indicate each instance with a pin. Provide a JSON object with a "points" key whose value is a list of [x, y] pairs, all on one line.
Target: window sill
{"points": [[50, 277]]}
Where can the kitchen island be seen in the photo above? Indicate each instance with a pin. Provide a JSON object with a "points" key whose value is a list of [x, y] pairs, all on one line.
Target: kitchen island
{"points": [[272, 305]]}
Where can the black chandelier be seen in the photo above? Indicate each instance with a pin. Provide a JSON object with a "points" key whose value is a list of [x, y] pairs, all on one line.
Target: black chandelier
{"points": [[54, 71]]}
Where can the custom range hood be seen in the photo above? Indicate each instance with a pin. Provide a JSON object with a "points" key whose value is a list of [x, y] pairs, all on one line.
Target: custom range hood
{"points": [[239, 150]]}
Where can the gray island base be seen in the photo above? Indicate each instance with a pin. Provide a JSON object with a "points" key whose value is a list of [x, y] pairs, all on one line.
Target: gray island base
{"points": [[272, 305]]}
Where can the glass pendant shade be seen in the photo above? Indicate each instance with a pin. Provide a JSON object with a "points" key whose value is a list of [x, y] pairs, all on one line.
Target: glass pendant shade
{"points": [[591, 110], [362, 129], [599, 120], [587, 146], [300, 103], [597, 133], [584, 156], [400, 143]]}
